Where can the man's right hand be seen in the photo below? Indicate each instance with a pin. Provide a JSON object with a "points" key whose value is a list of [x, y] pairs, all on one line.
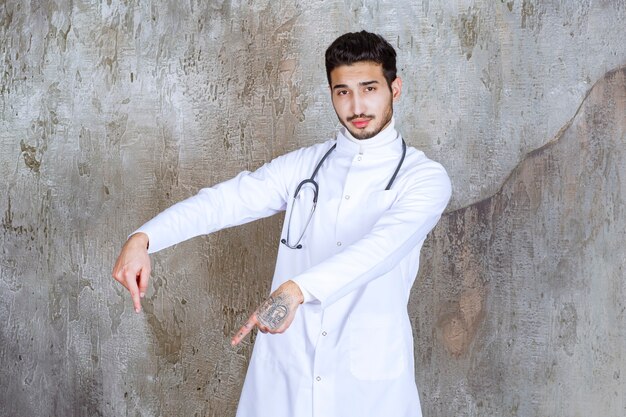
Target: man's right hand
{"points": [[132, 268]]}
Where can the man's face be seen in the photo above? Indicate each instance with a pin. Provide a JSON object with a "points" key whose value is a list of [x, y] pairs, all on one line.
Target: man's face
{"points": [[362, 99]]}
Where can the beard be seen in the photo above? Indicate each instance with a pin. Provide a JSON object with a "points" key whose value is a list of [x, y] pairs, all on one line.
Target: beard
{"points": [[369, 132]]}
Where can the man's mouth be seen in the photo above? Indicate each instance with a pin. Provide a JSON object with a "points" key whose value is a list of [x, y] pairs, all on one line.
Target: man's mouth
{"points": [[360, 122]]}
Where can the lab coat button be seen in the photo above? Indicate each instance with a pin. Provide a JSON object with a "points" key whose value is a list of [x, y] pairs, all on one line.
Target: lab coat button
{"points": [[338, 243], [324, 333], [347, 197], [359, 158], [318, 379]]}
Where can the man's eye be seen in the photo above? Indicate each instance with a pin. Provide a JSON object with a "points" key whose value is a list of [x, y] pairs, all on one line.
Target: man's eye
{"points": [[369, 88], [342, 92]]}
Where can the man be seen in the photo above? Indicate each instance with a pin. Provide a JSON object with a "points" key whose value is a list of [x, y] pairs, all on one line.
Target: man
{"points": [[336, 340]]}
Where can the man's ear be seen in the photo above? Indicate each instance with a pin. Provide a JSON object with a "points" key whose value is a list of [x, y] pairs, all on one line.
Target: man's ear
{"points": [[396, 88]]}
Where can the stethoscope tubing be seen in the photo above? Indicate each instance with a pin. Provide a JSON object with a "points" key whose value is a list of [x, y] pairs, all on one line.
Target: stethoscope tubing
{"points": [[311, 180]]}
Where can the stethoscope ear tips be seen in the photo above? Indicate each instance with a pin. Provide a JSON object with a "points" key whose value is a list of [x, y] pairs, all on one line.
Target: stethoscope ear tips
{"points": [[283, 241], [299, 247]]}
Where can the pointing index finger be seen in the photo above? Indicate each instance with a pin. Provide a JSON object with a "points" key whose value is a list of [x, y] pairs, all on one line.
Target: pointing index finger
{"points": [[131, 284], [244, 330]]}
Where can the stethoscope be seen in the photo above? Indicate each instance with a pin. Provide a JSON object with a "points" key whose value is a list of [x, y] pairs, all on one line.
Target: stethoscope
{"points": [[316, 188]]}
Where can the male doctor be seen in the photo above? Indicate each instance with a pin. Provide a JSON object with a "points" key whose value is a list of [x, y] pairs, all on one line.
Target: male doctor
{"points": [[336, 337]]}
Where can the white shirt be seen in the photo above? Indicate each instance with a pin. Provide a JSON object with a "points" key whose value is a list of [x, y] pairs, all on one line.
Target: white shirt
{"points": [[349, 350]]}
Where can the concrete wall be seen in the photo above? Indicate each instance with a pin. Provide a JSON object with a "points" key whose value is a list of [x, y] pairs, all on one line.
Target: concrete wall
{"points": [[111, 111]]}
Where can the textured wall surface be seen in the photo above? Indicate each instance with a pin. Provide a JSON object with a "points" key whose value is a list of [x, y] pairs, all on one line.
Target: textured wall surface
{"points": [[111, 111], [528, 285]]}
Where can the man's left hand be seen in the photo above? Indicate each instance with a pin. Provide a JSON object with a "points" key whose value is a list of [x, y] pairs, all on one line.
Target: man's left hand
{"points": [[275, 314]]}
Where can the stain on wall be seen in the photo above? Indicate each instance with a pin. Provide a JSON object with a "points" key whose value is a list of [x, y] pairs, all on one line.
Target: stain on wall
{"points": [[528, 284], [112, 111]]}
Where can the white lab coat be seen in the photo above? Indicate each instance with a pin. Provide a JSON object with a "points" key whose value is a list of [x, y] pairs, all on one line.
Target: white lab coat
{"points": [[349, 350]]}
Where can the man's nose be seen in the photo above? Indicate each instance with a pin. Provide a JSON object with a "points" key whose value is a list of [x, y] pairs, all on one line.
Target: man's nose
{"points": [[358, 105]]}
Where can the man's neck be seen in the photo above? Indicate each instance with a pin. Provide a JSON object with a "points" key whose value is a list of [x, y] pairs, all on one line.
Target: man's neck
{"points": [[382, 138]]}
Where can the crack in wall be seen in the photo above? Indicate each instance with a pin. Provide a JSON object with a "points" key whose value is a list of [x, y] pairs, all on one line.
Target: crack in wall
{"points": [[555, 139]]}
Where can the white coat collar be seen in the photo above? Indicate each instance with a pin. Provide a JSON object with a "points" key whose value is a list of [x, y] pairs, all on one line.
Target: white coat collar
{"points": [[387, 142]]}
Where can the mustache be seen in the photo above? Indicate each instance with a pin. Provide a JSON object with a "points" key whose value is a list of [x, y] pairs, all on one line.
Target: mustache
{"points": [[360, 116]]}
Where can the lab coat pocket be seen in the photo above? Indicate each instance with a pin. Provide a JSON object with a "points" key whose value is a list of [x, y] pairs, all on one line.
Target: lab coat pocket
{"points": [[376, 348]]}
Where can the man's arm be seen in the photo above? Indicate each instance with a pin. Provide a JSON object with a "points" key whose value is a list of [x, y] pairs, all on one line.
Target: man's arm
{"points": [[398, 231], [246, 197]]}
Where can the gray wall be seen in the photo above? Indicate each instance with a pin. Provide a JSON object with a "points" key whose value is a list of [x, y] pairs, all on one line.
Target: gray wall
{"points": [[111, 111]]}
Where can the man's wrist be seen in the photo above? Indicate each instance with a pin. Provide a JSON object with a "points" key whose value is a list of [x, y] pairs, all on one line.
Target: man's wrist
{"points": [[297, 291], [141, 238]]}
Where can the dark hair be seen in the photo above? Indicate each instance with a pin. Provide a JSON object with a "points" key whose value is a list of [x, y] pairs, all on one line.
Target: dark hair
{"points": [[355, 47]]}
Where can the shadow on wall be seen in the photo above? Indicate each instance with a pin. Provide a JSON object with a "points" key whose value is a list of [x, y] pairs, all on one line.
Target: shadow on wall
{"points": [[528, 285]]}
